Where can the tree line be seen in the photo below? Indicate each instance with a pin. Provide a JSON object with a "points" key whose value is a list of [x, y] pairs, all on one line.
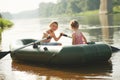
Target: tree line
{"points": [[70, 7]]}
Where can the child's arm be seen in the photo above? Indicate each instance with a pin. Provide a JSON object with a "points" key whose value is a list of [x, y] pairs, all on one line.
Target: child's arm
{"points": [[85, 40], [56, 38], [73, 39]]}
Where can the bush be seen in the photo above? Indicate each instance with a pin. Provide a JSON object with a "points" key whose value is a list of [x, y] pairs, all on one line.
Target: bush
{"points": [[4, 23]]}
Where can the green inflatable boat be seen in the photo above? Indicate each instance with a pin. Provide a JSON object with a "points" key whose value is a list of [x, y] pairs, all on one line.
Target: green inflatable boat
{"points": [[59, 55]]}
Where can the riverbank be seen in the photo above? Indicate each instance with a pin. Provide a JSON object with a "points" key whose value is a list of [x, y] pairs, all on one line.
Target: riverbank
{"points": [[116, 10]]}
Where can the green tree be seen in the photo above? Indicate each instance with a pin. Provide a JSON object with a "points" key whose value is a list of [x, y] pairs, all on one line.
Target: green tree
{"points": [[4, 23], [60, 7], [92, 4], [73, 7], [45, 9], [0, 16], [116, 2]]}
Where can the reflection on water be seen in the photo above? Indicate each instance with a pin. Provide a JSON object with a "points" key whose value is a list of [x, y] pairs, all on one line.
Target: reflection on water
{"points": [[65, 72], [107, 35], [103, 28], [107, 32]]}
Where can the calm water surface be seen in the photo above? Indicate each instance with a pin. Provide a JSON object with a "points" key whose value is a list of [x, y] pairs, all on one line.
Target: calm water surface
{"points": [[104, 29]]}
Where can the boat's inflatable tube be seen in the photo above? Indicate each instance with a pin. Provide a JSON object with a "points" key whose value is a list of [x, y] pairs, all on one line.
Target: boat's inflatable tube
{"points": [[77, 54]]}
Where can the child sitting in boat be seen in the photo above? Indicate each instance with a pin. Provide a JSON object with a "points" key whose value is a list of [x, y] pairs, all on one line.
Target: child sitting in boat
{"points": [[77, 36], [50, 33]]}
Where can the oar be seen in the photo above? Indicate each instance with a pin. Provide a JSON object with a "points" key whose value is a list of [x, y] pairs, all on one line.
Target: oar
{"points": [[66, 35], [4, 53], [114, 49]]}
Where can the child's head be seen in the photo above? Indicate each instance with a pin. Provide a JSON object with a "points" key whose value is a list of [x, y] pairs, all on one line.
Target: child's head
{"points": [[54, 25], [74, 24]]}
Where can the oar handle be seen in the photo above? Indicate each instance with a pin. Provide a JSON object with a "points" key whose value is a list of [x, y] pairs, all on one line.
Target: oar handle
{"points": [[66, 35]]}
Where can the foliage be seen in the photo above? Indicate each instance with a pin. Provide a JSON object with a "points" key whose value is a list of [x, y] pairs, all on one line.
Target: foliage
{"points": [[68, 7], [72, 7], [0, 16], [116, 8], [116, 2], [4, 23]]}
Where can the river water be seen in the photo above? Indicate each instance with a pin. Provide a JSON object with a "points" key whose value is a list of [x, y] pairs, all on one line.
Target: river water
{"points": [[103, 28]]}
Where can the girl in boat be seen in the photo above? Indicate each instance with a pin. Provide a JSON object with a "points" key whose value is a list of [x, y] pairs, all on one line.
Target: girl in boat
{"points": [[51, 34], [77, 35]]}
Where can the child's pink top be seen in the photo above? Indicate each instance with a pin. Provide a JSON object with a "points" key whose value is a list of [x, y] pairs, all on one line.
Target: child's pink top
{"points": [[78, 37]]}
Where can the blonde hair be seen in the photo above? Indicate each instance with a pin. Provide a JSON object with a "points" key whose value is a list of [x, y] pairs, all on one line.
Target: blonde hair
{"points": [[74, 24], [53, 22]]}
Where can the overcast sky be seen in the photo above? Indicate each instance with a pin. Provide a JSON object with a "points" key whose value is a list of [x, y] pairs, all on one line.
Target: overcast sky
{"points": [[15, 6]]}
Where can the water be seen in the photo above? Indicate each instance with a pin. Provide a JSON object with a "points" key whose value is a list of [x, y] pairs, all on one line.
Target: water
{"points": [[100, 29]]}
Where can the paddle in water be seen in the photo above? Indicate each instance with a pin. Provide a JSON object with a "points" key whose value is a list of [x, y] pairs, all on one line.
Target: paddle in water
{"points": [[4, 53]]}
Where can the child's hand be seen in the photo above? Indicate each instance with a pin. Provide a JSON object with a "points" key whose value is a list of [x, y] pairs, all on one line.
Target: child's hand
{"points": [[61, 34], [45, 35]]}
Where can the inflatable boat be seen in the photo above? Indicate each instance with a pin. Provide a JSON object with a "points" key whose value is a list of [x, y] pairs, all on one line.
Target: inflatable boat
{"points": [[59, 55]]}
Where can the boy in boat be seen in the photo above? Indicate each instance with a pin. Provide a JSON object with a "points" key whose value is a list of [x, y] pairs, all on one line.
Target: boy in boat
{"points": [[50, 34]]}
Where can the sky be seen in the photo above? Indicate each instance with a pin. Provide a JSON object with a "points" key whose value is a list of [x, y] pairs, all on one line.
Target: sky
{"points": [[15, 6]]}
